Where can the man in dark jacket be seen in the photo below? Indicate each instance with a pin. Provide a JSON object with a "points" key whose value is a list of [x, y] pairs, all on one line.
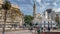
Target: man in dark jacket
{"points": [[48, 29]]}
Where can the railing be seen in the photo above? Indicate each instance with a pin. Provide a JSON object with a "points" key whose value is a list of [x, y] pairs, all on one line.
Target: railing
{"points": [[50, 32]]}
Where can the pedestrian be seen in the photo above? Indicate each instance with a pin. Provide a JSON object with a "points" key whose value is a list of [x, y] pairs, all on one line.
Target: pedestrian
{"points": [[44, 29], [48, 29], [38, 30]]}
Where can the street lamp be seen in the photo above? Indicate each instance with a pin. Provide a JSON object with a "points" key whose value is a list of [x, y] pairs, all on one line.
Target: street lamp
{"points": [[51, 24], [44, 23]]}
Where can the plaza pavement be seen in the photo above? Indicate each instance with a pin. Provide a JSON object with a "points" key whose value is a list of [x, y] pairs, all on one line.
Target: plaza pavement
{"points": [[23, 31], [18, 31]]}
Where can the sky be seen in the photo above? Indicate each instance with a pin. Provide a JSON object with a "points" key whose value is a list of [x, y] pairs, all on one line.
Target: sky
{"points": [[26, 6]]}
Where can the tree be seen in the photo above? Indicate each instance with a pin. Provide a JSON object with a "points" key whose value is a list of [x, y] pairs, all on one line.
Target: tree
{"points": [[6, 6], [28, 19], [57, 19], [49, 10], [0, 8]]}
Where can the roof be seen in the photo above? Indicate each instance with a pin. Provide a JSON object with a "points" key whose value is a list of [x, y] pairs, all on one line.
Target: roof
{"points": [[15, 5], [57, 12], [17, 11]]}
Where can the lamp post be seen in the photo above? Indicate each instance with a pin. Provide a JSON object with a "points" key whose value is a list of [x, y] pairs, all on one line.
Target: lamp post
{"points": [[44, 23], [51, 24]]}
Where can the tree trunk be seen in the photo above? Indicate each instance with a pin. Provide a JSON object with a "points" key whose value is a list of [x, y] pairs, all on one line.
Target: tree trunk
{"points": [[4, 22]]}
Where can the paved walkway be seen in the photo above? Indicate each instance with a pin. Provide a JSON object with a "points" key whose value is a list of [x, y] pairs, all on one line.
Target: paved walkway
{"points": [[19, 32]]}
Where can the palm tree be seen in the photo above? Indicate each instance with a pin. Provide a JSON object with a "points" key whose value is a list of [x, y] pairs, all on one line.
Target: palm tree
{"points": [[6, 6]]}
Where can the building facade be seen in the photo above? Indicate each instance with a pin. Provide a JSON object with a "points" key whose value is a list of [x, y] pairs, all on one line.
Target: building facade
{"points": [[13, 17], [49, 19], [38, 18]]}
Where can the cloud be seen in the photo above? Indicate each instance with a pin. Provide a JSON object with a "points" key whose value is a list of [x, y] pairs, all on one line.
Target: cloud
{"points": [[20, 0], [55, 4], [27, 5], [56, 9], [38, 1], [26, 9]]}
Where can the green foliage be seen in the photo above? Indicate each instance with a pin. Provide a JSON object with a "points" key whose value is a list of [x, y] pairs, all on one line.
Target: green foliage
{"points": [[28, 19], [49, 10], [30, 24], [57, 19], [0, 8], [36, 24], [6, 5]]}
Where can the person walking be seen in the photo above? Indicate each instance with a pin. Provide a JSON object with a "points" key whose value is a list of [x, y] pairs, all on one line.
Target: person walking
{"points": [[48, 29], [39, 30]]}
